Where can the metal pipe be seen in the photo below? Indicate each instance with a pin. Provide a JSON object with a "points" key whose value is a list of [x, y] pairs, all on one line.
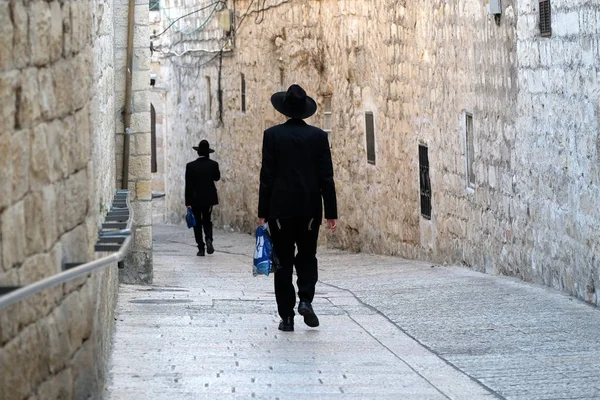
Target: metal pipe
{"points": [[31, 289], [128, 84]]}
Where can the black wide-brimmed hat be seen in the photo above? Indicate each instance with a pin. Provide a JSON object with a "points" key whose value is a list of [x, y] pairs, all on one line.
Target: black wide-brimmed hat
{"points": [[294, 103], [203, 148]]}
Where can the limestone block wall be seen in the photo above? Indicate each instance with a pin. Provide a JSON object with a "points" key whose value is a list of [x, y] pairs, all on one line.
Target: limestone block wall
{"points": [[58, 174], [420, 68], [557, 148], [188, 118], [138, 265], [158, 98]]}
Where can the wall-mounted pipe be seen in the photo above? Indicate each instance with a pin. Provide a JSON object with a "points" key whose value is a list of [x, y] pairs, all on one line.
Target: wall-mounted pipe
{"points": [[128, 85]]}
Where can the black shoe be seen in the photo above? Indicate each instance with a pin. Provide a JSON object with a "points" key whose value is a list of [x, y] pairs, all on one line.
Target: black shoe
{"points": [[287, 324], [200, 253], [306, 310], [209, 246]]}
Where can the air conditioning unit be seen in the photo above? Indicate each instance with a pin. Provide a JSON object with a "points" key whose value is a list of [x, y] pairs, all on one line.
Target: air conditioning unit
{"points": [[493, 6]]}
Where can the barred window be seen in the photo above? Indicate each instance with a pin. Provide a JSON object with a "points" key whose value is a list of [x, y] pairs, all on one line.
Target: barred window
{"points": [[470, 150], [153, 162], [327, 114], [425, 184], [370, 131], [243, 93], [545, 18], [208, 99]]}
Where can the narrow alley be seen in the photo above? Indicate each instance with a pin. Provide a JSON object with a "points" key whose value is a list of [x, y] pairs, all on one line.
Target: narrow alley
{"points": [[390, 329]]}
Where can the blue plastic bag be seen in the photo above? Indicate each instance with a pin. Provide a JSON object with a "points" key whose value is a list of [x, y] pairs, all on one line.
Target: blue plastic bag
{"points": [[263, 252], [189, 218]]}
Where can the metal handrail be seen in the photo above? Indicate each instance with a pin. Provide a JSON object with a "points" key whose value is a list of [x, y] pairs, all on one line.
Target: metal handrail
{"points": [[33, 288]]}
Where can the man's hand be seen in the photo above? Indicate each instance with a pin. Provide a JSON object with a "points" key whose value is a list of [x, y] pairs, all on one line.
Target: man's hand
{"points": [[332, 224], [261, 221]]}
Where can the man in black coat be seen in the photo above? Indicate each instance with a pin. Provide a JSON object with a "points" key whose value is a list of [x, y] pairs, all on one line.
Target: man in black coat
{"points": [[201, 194], [296, 178]]}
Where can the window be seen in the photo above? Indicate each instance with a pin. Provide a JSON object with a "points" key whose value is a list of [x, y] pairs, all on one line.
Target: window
{"points": [[327, 114], [153, 163], [469, 150], [424, 181], [208, 99], [154, 5], [370, 130], [243, 90], [545, 18]]}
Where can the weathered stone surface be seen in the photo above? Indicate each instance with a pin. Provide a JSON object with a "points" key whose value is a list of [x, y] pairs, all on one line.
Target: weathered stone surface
{"points": [[47, 98], [58, 386], [60, 142], [39, 32], [75, 245], [85, 379], [19, 361], [143, 238], [6, 182], [81, 147], [56, 31], [138, 268], [8, 98], [21, 47], [6, 36], [21, 159], [142, 144], [73, 201], [9, 316], [142, 213], [33, 270], [34, 229], [143, 190], [40, 172], [28, 111], [78, 329], [139, 167], [64, 72], [14, 241], [141, 102]]}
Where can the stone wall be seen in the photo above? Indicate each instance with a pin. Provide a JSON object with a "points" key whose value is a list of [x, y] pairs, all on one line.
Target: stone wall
{"points": [[138, 265], [57, 156], [420, 67], [158, 96], [556, 171]]}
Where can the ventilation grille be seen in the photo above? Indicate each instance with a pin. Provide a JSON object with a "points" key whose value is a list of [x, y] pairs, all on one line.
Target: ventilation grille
{"points": [[424, 180], [545, 18], [370, 127]]}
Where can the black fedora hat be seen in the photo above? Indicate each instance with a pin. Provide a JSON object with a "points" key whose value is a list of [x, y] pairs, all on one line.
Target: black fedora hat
{"points": [[203, 147], [294, 103]]}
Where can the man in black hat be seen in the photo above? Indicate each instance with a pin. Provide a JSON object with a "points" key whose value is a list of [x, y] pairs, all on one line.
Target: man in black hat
{"points": [[201, 194], [296, 178]]}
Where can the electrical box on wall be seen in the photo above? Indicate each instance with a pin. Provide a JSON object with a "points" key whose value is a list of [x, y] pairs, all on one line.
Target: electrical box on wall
{"points": [[493, 6]]}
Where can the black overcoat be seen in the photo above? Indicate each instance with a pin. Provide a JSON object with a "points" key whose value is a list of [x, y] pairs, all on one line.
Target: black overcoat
{"points": [[296, 176], [200, 178]]}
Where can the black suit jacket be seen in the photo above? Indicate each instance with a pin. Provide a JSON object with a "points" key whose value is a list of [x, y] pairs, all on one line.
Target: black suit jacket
{"points": [[200, 178], [296, 177]]}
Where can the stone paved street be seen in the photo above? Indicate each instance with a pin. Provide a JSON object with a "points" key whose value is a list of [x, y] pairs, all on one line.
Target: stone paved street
{"points": [[390, 329]]}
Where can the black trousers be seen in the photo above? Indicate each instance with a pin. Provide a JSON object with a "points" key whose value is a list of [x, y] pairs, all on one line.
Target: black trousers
{"points": [[202, 214], [287, 235]]}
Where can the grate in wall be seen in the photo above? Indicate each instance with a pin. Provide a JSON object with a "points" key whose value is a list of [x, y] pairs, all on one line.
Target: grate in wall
{"points": [[545, 18]]}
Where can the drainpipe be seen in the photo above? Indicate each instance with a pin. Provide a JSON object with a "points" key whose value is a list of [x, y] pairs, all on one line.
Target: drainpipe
{"points": [[128, 83]]}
